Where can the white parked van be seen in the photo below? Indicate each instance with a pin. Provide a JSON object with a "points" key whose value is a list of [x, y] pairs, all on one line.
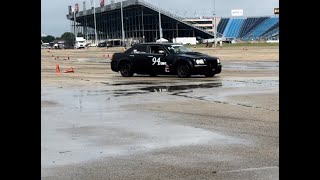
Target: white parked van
{"points": [[80, 43]]}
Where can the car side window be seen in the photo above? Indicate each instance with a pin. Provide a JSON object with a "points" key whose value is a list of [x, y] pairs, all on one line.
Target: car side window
{"points": [[139, 49], [156, 49]]}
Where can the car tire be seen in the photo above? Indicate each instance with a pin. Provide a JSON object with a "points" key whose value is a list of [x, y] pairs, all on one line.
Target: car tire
{"points": [[153, 74], [210, 74], [126, 69], [184, 70]]}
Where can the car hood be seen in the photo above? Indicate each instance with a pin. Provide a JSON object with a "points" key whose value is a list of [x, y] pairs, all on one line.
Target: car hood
{"points": [[197, 55]]}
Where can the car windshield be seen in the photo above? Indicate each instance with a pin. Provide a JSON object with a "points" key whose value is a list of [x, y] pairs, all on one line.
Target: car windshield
{"points": [[178, 49]]}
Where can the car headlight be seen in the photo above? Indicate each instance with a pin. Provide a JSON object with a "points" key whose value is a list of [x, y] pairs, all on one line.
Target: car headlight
{"points": [[199, 61], [218, 61]]}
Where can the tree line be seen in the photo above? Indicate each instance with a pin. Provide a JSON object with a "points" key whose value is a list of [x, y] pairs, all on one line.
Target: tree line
{"points": [[67, 37]]}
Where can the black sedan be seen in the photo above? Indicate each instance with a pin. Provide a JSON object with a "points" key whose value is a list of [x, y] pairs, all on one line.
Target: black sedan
{"points": [[164, 58]]}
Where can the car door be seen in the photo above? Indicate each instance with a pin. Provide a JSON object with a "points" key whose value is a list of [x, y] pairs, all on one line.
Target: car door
{"points": [[139, 57], [157, 59]]}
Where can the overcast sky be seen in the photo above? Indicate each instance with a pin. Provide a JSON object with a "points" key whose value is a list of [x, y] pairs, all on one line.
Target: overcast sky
{"points": [[54, 21]]}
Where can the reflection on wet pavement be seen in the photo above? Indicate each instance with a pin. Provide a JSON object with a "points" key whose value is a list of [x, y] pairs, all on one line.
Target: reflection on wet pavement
{"points": [[213, 91], [85, 127], [191, 87], [180, 87], [132, 83]]}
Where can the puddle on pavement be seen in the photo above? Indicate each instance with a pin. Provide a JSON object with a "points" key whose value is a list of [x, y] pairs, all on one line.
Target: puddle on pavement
{"points": [[191, 87], [132, 83], [163, 88], [82, 127], [125, 93], [180, 87], [48, 103], [81, 124]]}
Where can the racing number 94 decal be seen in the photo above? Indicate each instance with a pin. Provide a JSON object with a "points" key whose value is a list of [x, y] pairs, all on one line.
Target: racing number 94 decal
{"points": [[157, 61]]}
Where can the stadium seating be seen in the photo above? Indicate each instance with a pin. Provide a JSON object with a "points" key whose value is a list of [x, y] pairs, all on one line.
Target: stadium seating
{"points": [[233, 28], [248, 28], [258, 31], [222, 25]]}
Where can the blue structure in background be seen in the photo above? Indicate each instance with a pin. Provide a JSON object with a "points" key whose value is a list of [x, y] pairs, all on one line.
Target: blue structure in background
{"points": [[263, 28], [233, 28], [251, 28]]}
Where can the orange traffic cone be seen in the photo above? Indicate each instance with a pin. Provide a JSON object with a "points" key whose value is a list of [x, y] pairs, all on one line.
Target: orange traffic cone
{"points": [[57, 69], [70, 70]]}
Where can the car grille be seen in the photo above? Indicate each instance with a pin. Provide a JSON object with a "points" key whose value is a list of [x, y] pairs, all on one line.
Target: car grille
{"points": [[212, 64]]}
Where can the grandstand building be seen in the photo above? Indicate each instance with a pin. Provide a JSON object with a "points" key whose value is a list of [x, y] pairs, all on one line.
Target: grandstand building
{"points": [[141, 24], [203, 22]]}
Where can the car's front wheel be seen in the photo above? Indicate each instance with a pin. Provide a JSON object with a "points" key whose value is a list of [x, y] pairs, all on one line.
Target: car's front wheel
{"points": [[153, 74], [126, 69], [184, 70]]}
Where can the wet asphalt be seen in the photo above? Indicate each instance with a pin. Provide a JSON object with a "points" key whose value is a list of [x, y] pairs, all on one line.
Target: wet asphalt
{"points": [[164, 127]]}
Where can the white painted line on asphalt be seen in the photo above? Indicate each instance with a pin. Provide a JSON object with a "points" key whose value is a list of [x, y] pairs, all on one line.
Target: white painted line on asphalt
{"points": [[250, 169]]}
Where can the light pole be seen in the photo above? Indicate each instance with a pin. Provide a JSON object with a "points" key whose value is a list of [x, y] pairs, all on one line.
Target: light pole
{"points": [[74, 18], [122, 23], [126, 21], [177, 26], [75, 32], [160, 28], [74, 23], [214, 23], [95, 22], [143, 37]]}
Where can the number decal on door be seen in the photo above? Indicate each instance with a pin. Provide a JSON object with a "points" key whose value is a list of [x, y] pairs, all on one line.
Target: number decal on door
{"points": [[158, 62]]}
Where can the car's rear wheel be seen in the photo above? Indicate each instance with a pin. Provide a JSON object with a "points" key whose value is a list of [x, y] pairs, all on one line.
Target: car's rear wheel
{"points": [[183, 70], [126, 69], [210, 74]]}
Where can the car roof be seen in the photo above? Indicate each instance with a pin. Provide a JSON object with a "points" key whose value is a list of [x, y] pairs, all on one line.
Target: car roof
{"points": [[159, 44]]}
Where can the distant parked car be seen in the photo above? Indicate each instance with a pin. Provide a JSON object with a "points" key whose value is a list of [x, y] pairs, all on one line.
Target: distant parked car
{"points": [[45, 46], [104, 44], [68, 46]]}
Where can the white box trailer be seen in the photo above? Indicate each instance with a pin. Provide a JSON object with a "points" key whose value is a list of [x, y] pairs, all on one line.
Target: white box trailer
{"points": [[185, 40], [272, 41], [211, 40]]}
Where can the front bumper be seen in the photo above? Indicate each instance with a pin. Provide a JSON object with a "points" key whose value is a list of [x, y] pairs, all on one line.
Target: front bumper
{"points": [[204, 69], [218, 69]]}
